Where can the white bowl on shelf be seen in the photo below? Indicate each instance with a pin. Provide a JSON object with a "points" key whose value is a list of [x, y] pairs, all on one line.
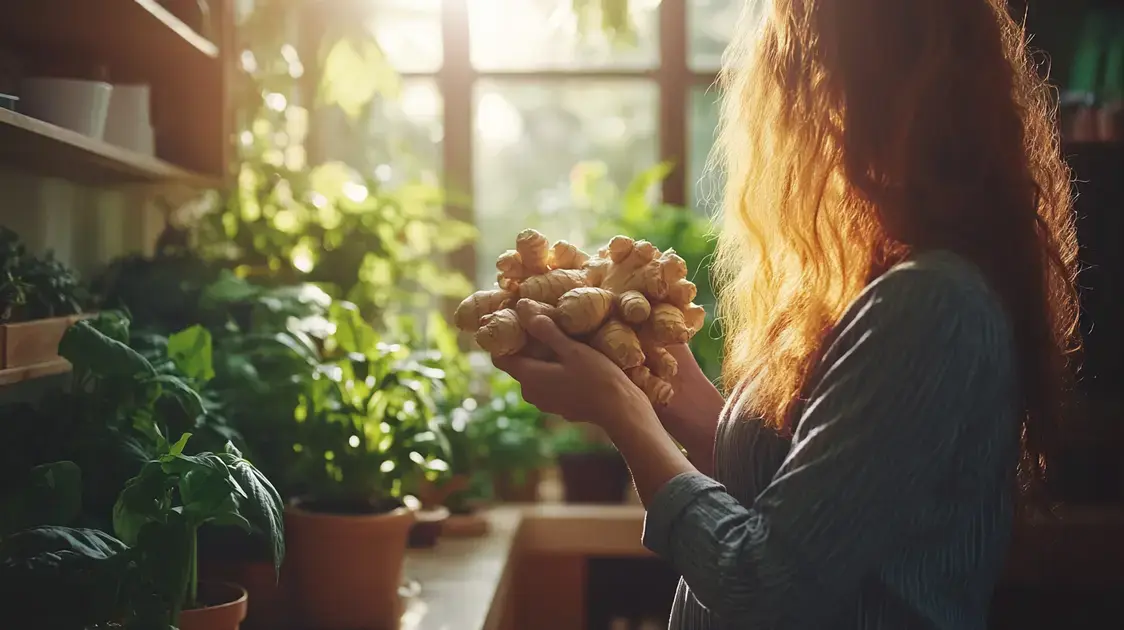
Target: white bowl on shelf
{"points": [[129, 122], [74, 104]]}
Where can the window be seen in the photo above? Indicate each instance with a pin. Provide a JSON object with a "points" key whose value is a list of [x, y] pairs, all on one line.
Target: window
{"points": [[508, 100]]}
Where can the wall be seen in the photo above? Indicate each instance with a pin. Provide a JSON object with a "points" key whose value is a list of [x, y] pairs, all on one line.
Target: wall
{"points": [[84, 226]]}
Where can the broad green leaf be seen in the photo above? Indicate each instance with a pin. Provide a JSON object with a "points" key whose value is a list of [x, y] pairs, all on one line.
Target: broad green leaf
{"points": [[91, 350], [113, 324], [353, 334], [145, 498], [354, 72], [177, 448], [262, 506], [174, 387], [191, 351], [164, 557], [62, 577], [51, 494]]}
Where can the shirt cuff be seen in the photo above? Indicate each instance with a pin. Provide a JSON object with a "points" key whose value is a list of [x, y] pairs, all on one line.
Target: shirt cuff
{"points": [[669, 503]]}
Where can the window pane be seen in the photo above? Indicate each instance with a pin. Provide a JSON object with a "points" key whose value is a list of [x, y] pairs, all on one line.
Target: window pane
{"points": [[542, 35], [704, 188], [530, 136], [710, 27], [403, 135], [409, 33]]}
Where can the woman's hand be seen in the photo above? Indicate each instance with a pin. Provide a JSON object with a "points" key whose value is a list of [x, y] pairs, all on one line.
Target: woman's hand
{"points": [[691, 417], [581, 384]]}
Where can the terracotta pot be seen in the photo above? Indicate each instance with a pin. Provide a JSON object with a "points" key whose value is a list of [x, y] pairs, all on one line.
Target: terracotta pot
{"points": [[224, 608], [270, 608], [428, 527], [594, 477], [510, 490], [344, 570]]}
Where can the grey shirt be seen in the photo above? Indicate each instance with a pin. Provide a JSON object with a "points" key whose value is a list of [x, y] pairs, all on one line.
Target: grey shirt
{"points": [[891, 506]]}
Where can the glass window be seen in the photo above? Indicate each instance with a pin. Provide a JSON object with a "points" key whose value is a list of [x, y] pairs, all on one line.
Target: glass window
{"points": [[532, 138], [407, 132], [704, 187], [409, 33], [710, 27], [527, 35]]}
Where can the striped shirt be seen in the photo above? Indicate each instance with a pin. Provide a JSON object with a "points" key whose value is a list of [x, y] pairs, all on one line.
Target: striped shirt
{"points": [[891, 505]]}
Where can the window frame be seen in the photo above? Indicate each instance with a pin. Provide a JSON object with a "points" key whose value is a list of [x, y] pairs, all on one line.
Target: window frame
{"points": [[457, 78]]}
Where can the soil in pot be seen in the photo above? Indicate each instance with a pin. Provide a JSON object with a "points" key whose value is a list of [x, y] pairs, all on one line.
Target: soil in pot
{"points": [[593, 477], [518, 486], [344, 562], [428, 527], [222, 607]]}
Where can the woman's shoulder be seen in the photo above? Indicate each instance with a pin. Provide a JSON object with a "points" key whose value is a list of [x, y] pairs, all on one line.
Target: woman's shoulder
{"points": [[935, 292]]}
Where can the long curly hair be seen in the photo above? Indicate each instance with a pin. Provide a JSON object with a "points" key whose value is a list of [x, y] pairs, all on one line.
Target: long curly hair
{"points": [[857, 132]]}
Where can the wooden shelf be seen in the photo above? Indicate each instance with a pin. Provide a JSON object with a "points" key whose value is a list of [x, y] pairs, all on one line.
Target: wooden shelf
{"points": [[106, 32], [44, 149], [12, 376]]}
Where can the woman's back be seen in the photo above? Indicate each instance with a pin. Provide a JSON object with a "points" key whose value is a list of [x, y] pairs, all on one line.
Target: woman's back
{"points": [[951, 542]]}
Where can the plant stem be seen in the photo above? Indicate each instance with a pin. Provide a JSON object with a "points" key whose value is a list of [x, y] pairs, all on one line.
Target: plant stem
{"points": [[193, 577]]}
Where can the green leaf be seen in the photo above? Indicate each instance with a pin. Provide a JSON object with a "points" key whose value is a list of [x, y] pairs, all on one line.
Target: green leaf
{"points": [[62, 577], [146, 498], [354, 71], [191, 351], [174, 387], [353, 334], [113, 324], [262, 506], [91, 350], [177, 448], [164, 558], [50, 495]]}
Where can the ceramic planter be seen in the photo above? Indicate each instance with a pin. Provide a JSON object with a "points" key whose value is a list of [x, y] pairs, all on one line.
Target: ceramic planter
{"points": [[593, 477], [224, 608], [428, 527], [345, 569]]}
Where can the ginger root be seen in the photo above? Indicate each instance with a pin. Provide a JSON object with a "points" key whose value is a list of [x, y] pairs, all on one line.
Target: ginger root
{"points": [[628, 302]]}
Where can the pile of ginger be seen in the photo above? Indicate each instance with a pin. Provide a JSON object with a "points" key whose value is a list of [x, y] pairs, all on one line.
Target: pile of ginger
{"points": [[628, 302]]}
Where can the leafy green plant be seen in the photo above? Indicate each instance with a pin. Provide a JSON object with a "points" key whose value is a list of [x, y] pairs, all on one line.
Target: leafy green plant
{"points": [[507, 432], [160, 511], [34, 287], [366, 419], [60, 576], [571, 438]]}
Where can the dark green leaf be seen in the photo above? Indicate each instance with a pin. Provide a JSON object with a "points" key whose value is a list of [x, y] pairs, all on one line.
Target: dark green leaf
{"points": [[91, 350], [146, 498], [51, 494], [262, 506], [190, 349], [188, 398], [61, 577]]}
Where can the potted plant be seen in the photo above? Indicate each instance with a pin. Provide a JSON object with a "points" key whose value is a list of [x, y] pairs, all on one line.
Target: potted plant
{"points": [[159, 514], [509, 434], [365, 427], [39, 299], [592, 469]]}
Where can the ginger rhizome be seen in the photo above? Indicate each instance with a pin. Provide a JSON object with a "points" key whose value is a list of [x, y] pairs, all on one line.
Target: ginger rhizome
{"points": [[628, 302]]}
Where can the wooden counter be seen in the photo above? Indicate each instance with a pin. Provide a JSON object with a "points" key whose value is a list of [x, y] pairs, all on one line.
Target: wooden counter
{"points": [[532, 564]]}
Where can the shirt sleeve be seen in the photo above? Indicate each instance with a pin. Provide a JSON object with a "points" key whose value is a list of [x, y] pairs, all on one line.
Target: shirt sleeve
{"points": [[919, 357]]}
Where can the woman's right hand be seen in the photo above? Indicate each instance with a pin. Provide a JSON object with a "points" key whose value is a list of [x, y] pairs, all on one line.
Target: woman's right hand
{"points": [[691, 417]]}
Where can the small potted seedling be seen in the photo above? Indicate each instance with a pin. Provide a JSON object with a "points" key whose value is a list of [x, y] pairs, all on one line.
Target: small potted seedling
{"points": [[593, 471], [510, 440], [159, 514]]}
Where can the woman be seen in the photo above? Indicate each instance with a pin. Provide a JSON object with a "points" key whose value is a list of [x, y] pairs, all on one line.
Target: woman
{"points": [[897, 260]]}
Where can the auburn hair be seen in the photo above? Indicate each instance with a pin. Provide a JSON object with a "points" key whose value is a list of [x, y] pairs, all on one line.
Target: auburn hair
{"points": [[856, 132]]}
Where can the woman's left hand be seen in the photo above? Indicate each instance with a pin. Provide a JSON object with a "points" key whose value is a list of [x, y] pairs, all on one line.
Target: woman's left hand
{"points": [[581, 384]]}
